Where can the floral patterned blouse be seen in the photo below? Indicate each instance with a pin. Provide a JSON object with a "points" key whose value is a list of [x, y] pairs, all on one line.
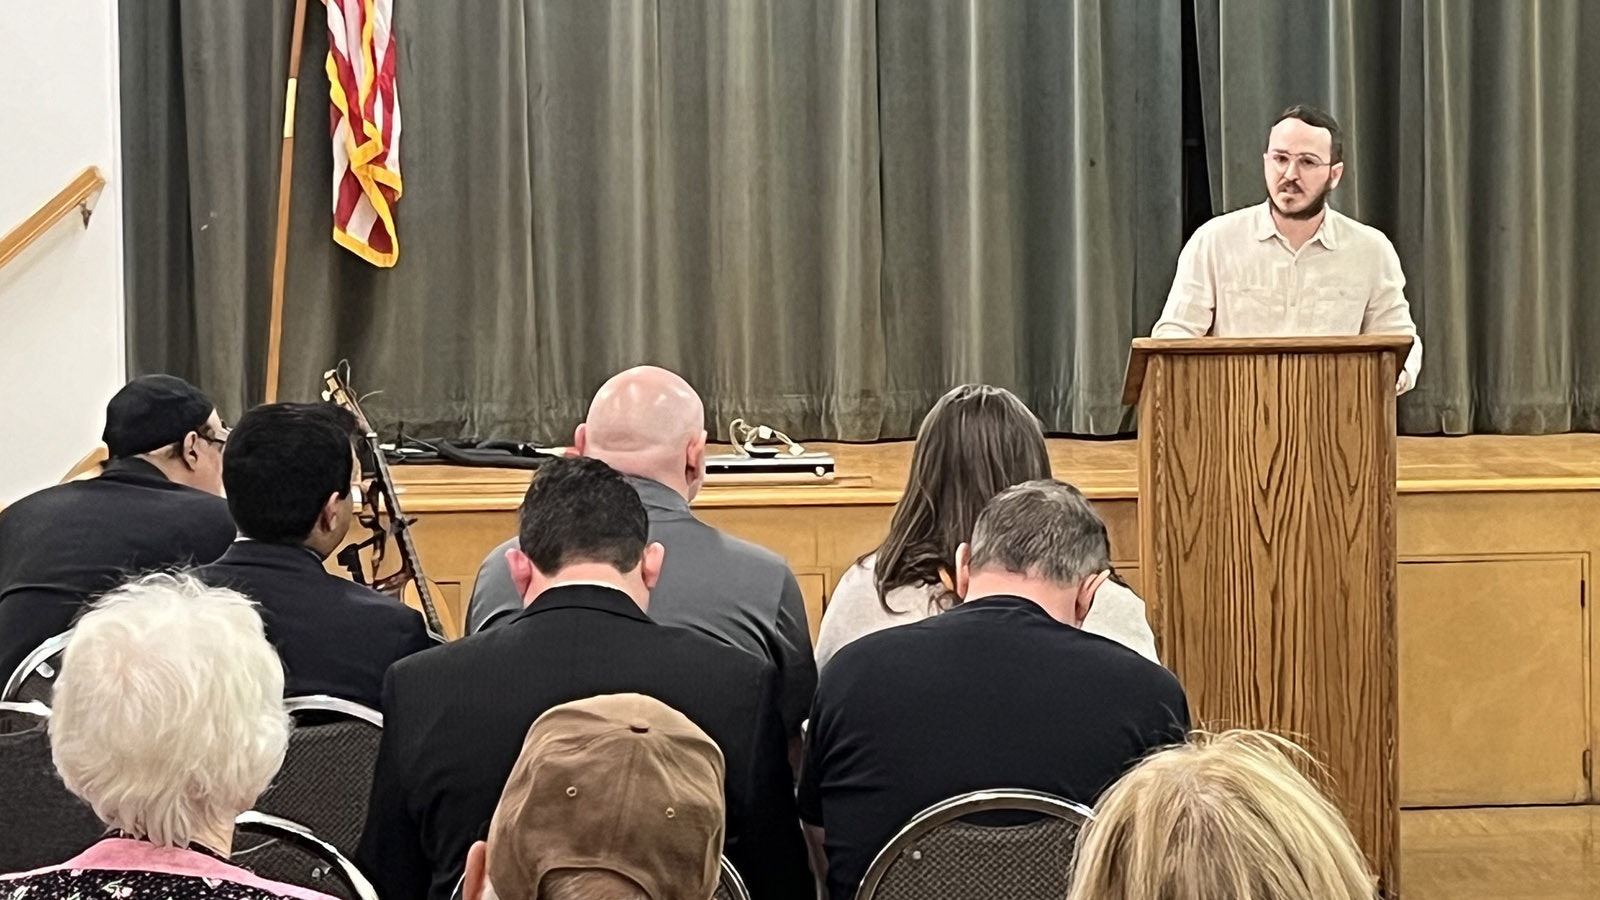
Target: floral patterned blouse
{"points": [[126, 869]]}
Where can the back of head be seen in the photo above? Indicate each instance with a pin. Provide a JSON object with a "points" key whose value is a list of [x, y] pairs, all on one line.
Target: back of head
{"points": [[1045, 530], [168, 714], [151, 412], [648, 422], [282, 463], [581, 510], [977, 441], [1228, 817], [612, 797]]}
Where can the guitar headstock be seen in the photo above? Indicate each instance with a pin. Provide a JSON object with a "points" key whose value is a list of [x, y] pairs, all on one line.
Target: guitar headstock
{"points": [[338, 392]]}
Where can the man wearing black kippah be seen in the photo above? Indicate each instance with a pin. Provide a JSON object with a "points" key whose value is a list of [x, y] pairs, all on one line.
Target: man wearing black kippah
{"points": [[156, 505]]}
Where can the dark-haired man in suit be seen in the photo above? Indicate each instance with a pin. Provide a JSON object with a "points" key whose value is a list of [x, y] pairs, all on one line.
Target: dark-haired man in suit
{"points": [[289, 469], [456, 716]]}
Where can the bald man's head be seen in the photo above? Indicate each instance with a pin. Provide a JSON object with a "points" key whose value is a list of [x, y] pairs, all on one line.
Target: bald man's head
{"points": [[648, 422]]}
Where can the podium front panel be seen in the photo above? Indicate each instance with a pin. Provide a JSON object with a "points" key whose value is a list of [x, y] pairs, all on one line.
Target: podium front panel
{"points": [[1267, 493]]}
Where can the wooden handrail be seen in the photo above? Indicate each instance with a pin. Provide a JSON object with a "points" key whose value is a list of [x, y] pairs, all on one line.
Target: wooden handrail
{"points": [[78, 194]]}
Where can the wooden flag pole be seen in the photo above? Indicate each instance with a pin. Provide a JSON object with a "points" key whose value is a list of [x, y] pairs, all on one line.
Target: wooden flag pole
{"points": [[280, 250]]}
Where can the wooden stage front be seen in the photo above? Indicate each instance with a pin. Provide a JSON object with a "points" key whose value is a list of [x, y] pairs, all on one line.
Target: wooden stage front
{"points": [[1497, 539]]}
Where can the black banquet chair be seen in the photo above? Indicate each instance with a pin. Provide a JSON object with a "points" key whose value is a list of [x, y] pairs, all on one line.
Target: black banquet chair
{"points": [[326, 779], [35, 678], [986, 845], [41, 822], [288, 852]]}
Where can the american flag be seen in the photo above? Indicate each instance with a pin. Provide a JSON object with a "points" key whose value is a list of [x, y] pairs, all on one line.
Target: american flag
{"points": [[365, 127]]}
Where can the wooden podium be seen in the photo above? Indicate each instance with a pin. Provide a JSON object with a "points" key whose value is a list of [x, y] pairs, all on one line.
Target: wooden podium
{"points": [[1267, 547]]}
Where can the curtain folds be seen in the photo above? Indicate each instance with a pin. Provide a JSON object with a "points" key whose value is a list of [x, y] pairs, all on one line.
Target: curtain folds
{"points": [[1466, 145], [826, 213]]}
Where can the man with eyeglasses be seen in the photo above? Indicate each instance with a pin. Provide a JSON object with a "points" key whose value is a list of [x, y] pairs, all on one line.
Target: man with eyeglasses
{"points": [[156, 504], [1292, 265]]}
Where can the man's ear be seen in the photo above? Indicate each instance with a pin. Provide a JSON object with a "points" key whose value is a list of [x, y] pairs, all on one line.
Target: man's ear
{"points": [[694, 464], [191, 449], [963, 569], [328, 518], [477, 874], [580, 438], [1335, 173], [650, 564], [521, 571], [1085, 598]]}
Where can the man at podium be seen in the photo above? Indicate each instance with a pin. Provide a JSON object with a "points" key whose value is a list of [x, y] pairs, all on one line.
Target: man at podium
{"points": [[1292, 265]]}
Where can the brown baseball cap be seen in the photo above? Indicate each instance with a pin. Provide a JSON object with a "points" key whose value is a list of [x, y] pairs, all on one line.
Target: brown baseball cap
{"points": [[621, 783]]}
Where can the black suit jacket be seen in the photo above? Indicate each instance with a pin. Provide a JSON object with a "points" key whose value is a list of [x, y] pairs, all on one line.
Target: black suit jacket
{"points": [[335, 636], [455, 718], [67, 544]]}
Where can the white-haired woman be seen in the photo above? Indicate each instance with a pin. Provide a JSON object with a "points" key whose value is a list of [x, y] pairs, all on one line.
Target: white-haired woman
{"points": [[168, 720]]}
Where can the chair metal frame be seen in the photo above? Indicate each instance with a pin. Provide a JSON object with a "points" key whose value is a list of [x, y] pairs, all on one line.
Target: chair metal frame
{"points": [[959, 807], [33, 660], [728, 875], [325, 703], [259, 823], [31, 707]]}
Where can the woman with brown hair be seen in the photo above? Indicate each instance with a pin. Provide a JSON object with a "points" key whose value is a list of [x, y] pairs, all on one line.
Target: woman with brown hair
{"points": [[1224, 817], [977, 441]]}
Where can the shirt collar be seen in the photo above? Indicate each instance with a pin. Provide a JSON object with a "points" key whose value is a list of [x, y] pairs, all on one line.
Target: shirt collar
{"points": [[1327, 233], [657, 496]]}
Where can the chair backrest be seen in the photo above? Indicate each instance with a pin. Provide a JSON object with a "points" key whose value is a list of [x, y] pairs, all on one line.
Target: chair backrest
{"points": [[1019, 849], [35, 677], [41, 822], [729, 885], [326, 779], [280, 850]]}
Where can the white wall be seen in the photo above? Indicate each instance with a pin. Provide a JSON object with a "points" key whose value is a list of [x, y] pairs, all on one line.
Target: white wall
{"points": [[61, 315]]}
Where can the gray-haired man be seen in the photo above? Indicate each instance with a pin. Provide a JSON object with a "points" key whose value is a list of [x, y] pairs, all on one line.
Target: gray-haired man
{"points": [[1001, 691]]}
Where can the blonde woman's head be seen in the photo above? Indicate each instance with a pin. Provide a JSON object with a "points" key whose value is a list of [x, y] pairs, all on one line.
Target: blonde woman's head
{"points": [[1225, 817]]}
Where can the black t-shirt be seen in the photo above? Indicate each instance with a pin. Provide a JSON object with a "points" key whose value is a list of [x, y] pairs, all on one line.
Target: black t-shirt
{"points": [[992, 694]]}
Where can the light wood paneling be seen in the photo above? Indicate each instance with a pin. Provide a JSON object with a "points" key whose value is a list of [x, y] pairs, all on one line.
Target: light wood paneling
{"points": [[1268, 557], [1507, 638], [1539, 853]]}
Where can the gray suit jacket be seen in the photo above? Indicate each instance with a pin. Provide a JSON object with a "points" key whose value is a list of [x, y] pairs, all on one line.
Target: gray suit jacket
{"points": [[713, 583]]}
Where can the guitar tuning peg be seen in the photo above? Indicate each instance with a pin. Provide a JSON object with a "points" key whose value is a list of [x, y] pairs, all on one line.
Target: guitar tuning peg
{"points": [[764, 433], [327, 396]]}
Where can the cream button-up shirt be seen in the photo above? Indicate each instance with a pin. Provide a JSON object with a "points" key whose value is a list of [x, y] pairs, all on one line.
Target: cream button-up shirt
{"points": [[1238, 277]]}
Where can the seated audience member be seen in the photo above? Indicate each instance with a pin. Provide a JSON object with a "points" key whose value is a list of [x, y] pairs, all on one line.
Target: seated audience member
{"points": [[156, 505], [168, 721], [649, 424], [977, 441], [1224, 818], [455, 717], [1002, 691], [289, 469], [616, 797]]}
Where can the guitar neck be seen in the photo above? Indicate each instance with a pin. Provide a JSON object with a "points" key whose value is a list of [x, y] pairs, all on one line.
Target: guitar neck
{"points": [[401, 532]]}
